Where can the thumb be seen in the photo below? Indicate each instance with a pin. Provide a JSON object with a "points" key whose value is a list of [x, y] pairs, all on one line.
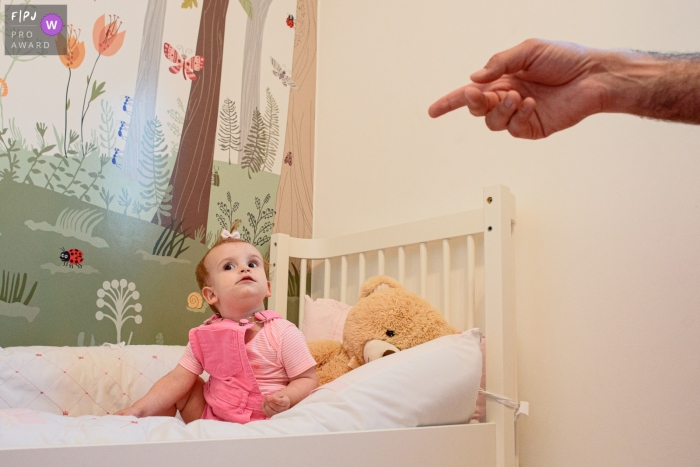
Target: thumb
{"points": [[509, 61]]}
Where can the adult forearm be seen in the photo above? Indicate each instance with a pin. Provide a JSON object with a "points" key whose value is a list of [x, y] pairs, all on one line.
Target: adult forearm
{"points": [[653, 85]]}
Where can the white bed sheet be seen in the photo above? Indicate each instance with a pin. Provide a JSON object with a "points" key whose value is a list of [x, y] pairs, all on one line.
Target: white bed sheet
{"points": [[433, 384]]}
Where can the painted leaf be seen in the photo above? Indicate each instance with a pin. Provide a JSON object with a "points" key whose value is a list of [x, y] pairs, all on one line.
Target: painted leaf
{"points": [[36, 171], [97, 90], [68, 104], [248, 7], [189, 4]]}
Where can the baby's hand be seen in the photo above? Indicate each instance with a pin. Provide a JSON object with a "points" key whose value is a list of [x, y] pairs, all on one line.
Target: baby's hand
{"points": [[129, 411], [276, 403]]}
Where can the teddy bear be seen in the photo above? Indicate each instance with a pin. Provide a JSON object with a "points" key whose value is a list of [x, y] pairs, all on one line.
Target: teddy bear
{"points": [[386, 319]]}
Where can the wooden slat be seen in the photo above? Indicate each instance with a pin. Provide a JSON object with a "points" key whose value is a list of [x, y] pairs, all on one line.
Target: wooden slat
{"points": [[446, 279], [380, 262], [423, 270], [327, 278], [402, 266], [471, 278], [302, 291], [361, 267], [279, 272], [499, 303], [344, 279]]}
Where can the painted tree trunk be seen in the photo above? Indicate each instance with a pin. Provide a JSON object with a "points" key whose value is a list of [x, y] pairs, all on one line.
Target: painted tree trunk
{"points": [[144, 98], [250, 80], [294, 209], [191, 178]]}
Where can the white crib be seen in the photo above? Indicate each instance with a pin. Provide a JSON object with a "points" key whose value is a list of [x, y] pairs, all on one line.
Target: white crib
{"points": [[487, 444]]}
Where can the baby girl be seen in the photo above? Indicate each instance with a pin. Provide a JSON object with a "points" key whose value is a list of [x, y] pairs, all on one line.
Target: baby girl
{"points": [[252, 375]]}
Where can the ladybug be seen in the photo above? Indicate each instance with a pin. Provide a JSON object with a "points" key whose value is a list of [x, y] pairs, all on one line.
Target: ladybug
{"points": [[72, 257], [290, 21]]}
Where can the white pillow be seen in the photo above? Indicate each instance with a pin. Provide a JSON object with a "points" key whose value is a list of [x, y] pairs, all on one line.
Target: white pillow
{"points": [[435, 383]]}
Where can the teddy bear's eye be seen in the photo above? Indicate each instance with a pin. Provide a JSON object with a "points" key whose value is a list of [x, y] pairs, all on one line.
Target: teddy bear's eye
{"points": [[390, 332]]}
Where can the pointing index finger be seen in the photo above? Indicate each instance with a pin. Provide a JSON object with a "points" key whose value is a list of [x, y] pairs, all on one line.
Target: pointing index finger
{"points": [[464, 96]]}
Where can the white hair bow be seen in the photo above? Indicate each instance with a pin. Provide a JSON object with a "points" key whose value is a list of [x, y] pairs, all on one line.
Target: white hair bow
{"points": [[227, 234]]}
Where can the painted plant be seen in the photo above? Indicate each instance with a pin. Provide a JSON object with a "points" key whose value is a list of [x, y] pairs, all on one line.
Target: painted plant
{"points": [[119, 293]]}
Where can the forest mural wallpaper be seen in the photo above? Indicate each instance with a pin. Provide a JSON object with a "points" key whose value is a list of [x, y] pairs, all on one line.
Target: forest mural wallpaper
{"points": [[160, 123]]}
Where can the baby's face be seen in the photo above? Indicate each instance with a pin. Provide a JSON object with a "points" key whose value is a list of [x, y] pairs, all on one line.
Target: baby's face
{"points": [[237, 280]]}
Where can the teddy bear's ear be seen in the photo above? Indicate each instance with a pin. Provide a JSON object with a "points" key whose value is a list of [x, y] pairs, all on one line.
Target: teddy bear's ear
{"points": [[377, 283]]}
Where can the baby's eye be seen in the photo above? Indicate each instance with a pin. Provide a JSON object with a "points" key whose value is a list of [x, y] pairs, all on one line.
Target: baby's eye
{"points": [[252, 264], [228, 267]]}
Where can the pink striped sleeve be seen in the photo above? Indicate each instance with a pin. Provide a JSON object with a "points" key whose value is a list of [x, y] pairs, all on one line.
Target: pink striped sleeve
{"points": [[189, 362], [294, 353]]}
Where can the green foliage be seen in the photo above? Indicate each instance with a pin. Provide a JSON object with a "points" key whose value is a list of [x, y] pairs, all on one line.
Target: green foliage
{"points": [[248, 7], [212, 237], [36, 159], [81, 340], [272, 123], [83, 221], [106, 197], [157, 191], [254, 151], [9, 149], [199, 234], [86, 149], [226, 217], [137, 208], [61, 164], [12, 288], [260, 225], [104, 160], [124, 199], [108, 137], [17, 135], [177, 119], [189, 4], [229, 132], [97, 90], [171, 241]]}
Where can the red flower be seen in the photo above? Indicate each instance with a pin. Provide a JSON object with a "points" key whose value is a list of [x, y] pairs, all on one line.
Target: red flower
{"points": [[106, 37]]}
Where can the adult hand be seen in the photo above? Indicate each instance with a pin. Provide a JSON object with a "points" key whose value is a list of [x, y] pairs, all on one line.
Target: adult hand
{"points": [[533, 89], [276, 403]]}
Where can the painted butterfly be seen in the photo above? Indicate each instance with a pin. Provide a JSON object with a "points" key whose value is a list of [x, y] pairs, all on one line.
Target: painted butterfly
{"points": [[188, 65], [282, 74]]}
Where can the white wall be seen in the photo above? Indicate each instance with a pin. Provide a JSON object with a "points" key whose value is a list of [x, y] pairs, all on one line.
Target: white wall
{"points": [[608, 234]]}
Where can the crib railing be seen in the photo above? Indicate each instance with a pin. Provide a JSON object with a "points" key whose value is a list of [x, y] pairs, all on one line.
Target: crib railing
{"points": [[362, 245], [493, 222]]}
